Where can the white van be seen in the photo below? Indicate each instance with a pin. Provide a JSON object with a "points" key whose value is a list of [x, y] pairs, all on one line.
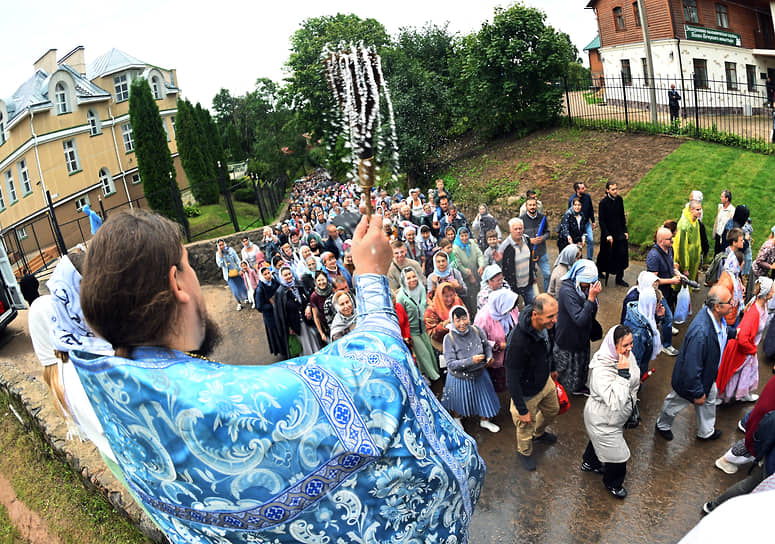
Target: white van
{"points": [[11, 298]]}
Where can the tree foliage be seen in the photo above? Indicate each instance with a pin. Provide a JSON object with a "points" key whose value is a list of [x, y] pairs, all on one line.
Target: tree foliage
{"points": [[154, 161], [307, 89], [193, 147], [510, 68]]}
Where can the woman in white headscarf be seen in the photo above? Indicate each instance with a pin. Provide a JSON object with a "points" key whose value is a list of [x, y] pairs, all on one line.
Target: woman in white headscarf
{"points": [[497, 318], [738, 373], [577, 307], [413, 297], [614, 378], [569, 255], [640, 317]]}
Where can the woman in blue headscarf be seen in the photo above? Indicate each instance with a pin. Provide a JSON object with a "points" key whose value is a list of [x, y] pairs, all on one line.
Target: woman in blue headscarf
{"points": [[470, 262], [444, 273], [577, 308]]}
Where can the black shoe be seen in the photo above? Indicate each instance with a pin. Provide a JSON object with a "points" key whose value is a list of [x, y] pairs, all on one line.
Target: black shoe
{"points": [[622, 283], [618, 492], [707, 508], [546, 438], [715, 436], [586, 467], [740, 426], [605, 278], [528, 462], [667, 435]]}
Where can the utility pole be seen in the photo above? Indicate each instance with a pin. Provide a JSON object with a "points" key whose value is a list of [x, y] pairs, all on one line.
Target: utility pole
{"points": [[649, 64]]}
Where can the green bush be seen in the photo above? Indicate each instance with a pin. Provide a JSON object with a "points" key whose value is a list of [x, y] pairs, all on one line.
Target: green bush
{"points": [[245, 194], [192, 211]]}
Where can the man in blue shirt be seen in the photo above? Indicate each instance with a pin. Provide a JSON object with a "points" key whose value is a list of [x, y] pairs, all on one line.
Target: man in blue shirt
{"points": [[694, 373]]}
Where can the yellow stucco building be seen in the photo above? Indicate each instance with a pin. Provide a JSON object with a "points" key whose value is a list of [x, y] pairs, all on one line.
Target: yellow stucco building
{"points": [[66, 130]]}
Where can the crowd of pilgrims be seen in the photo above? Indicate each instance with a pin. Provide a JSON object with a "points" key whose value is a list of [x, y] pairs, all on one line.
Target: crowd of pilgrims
{"points": [[456, 284]]}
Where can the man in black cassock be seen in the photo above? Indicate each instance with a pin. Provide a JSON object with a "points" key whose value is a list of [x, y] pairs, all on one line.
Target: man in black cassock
{"points": [[614, 255]]}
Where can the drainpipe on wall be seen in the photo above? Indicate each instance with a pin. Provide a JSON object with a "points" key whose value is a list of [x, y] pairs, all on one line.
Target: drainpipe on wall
{"points": [[35, 147], [118, 157], [681, 68]]}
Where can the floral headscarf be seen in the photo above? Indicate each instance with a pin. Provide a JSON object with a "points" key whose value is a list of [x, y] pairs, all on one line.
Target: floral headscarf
{"points": [[438, 301]]}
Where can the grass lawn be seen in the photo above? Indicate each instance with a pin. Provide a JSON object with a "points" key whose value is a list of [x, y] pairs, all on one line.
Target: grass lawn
{"points": [[49, 487], [710, 168], [248, 216], [8, 532], [590, 98]]}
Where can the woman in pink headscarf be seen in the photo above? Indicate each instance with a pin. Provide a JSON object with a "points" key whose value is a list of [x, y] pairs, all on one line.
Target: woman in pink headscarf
{"points": [[496, 319]]}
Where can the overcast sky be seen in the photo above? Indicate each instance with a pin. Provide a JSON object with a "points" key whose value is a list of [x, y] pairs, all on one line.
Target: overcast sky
{"points": [[226, 43]]}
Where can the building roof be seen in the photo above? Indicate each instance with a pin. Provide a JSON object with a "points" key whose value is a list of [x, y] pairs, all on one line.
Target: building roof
{"points": [[594, 44], [34, 91], [111, 62]]}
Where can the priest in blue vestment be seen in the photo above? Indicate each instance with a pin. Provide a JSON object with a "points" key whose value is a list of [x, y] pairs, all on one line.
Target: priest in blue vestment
{"points": [[346, 445]]}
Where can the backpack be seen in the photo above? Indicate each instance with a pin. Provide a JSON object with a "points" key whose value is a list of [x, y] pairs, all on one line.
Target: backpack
{"points": [[715, 268]]}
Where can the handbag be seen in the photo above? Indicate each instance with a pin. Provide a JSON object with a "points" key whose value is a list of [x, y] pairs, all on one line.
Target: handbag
{"points": [[294, 345], [562, 397], [233, 272], [634, 418]]}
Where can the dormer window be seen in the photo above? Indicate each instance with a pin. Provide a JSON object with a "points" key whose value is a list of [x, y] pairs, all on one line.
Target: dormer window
{"points": [[156, 88], [121, 86], [94, 123], [60, 99]]}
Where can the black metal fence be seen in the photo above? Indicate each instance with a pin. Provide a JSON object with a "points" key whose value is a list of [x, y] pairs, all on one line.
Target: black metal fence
{"points": [[33, 246], [732, 110]]}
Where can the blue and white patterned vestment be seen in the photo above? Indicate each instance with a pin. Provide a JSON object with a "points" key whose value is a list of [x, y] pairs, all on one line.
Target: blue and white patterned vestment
{"points": [[348, 445]]}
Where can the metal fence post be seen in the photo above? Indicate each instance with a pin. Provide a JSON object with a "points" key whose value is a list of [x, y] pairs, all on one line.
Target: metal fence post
{"points": [[227, 196], [567, 100], [60, 242], [258, 200], [696, 108], [179, 211], [624, 96]]}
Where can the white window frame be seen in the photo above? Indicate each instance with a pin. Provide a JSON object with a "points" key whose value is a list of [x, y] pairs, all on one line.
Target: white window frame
{"points": [[81, 202], [121, 87], [172, 120], [13, 196], [71, 156], [166, 130], [136, 178], [21, 232], [722, 15], [24, 176], [128, 137], [106, 182], [2, 200], [94, 123], [60, 97]]}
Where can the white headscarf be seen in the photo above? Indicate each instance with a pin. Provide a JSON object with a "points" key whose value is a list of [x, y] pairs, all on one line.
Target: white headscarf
{"points": [[608, 346], [501, 303], [582, 271], [69, 329], [647, 306]]}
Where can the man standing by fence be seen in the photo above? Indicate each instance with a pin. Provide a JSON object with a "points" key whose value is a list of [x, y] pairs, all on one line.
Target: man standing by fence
{"points": [[673, 99]]}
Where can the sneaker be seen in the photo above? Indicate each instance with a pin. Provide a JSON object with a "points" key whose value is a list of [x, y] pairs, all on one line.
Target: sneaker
{"points": [[669, 350], [584, 391], [708, 507], [750, 397], [715, 436], [546, 438], [528, 462], [586, 467], [725, 466], [618, 492], [489, 425], [666, 434], [675, 331], [239, 306], [740, 426]]}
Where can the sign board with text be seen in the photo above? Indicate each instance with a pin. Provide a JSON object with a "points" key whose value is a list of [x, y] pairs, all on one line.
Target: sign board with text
{"points": [[711, 35]]}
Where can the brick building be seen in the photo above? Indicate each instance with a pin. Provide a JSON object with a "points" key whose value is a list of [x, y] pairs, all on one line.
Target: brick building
{"points": [[66, 130], [709, 44]]}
